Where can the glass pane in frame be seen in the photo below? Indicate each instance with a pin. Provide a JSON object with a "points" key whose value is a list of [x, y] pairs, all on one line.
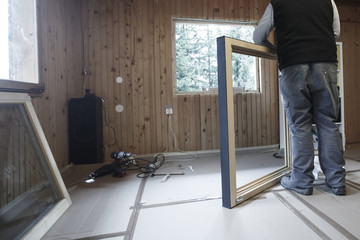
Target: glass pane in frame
{"points": [[32, 191]]}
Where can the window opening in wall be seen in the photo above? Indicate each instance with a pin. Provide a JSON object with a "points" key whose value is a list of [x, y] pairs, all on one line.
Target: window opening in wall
{"points": [[244, 72], [196, 56], [4, 41], [18, 41]]}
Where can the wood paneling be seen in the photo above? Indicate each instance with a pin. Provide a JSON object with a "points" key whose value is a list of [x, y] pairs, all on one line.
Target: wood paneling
{"points": [[348, 3], [60, 66], [133, 39], [143, 30], [350, 35]]}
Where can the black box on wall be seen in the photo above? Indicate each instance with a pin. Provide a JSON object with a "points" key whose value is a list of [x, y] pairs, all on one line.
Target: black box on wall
{"points": [[85, 130]]}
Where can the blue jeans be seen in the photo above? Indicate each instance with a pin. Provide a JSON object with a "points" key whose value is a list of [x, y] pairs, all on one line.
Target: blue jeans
{"points": [[310, 95]]}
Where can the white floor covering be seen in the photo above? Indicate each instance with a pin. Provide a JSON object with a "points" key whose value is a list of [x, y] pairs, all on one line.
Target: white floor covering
{"points": [[190, 207]]}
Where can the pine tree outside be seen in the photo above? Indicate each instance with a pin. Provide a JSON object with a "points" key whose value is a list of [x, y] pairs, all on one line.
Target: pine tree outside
{"points": [[196, 56]]}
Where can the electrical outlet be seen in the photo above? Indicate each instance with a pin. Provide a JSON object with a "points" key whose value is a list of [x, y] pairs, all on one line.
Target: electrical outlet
{"points": [[168, 110]]}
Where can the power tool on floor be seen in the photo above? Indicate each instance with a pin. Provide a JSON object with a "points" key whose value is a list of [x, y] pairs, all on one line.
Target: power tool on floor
{"points": [[122, 161]]}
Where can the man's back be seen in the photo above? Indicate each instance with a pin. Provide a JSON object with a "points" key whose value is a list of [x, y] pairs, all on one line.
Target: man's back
{"points": [[304, 31]]}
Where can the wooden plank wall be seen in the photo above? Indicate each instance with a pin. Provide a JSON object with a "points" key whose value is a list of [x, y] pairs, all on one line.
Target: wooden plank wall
{"points": [[133, 39], [60, 66], [350, 35]]}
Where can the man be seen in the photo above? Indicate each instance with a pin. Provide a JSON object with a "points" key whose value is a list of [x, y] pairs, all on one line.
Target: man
{"points": [[306, 31]]}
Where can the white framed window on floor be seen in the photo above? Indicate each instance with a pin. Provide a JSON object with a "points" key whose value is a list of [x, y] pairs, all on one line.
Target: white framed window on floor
{"points": [[33, 194]]}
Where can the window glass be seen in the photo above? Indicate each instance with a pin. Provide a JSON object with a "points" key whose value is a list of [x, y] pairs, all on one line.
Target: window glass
{"points": [[28, 188], [196, 56], [18, 41]]}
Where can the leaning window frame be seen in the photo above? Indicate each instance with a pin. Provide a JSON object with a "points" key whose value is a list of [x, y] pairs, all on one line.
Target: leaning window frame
{"points": [[231, 194], [18, 85], [211, 90]]}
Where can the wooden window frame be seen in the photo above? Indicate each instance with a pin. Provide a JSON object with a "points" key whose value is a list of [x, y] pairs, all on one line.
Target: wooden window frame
{"points": [[41, 226], [232, 195]]}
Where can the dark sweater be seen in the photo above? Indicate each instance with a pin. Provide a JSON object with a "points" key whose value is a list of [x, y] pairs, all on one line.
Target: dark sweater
{"points": [[304, 31]]}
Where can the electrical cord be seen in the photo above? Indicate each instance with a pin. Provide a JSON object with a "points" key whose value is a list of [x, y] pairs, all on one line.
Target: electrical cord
{"points": [[108, 124], [175, 141], [147, 167], [124, 163], [85, 72], [170, 128]]}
